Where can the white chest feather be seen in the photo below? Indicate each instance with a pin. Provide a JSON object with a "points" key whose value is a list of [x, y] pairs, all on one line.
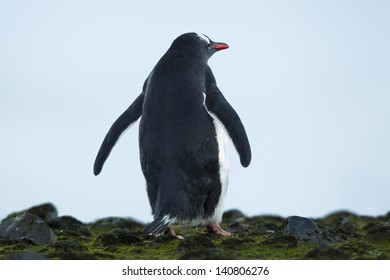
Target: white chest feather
{"points": [[223, 167]]}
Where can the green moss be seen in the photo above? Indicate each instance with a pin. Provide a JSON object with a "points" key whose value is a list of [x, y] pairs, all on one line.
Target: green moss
{"points": [[253, 238]]}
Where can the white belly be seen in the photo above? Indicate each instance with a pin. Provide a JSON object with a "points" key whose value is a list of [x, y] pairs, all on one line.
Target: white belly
{"points": [[223, 167]]}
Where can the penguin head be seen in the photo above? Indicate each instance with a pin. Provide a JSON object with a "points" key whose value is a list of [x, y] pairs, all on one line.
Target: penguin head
{"points": [[198, 44]]}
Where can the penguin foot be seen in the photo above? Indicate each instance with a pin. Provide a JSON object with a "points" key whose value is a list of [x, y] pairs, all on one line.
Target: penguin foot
{"points": [[170, 231], [173, 233], [216, 228]]}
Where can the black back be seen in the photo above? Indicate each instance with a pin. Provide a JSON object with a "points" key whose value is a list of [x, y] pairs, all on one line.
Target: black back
{"points": [[177, 137], [178, 149]]}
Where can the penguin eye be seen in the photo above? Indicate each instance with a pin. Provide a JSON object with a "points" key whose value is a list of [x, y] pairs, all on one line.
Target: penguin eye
{"points": [[209, 45]]}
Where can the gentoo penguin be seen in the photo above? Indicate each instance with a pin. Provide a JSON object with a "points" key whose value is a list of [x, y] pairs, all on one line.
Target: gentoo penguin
{"points": [[182, 137]]}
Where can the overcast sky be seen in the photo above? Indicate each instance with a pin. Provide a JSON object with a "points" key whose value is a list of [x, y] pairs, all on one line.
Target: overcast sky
{"points": [[309, 79]]}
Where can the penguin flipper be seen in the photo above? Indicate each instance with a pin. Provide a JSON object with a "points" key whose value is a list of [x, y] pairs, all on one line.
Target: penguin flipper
{"points": [[132, 114], [224, 112]]}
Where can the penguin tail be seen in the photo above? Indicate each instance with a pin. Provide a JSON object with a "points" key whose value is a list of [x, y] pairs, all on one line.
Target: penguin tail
{"points": [[159, 225]]}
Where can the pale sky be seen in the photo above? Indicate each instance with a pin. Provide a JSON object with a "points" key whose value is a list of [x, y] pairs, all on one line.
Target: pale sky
{"points": [[309, 79]]}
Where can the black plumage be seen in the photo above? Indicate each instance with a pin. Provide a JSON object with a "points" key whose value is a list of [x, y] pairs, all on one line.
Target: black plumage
{"points": [[180, 152]]}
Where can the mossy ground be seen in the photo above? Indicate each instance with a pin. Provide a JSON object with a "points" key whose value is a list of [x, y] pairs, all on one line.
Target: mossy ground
{"points": [[253, 238]]}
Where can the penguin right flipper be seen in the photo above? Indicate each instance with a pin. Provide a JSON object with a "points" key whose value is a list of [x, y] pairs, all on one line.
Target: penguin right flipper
{"points": [[218, 106], [132, 114]]}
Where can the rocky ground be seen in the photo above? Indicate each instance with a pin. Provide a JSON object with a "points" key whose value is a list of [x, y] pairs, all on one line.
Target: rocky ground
{"points": [[39, 233]]}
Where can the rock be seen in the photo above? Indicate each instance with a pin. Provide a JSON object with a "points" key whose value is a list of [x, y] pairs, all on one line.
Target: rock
{"points": [[340, 217], [74, 255], [5, 242], [282, 240], [232, 243], [344, 225], [162, 240], [307, 231], [237, 227], [24, 256], [201, 247], [337, 215], [384, 218], [232, 215], [118, 236], [326, 252], [205, 254], [355, 250], [69, 246], [195, 243], [273, 222], [266, 227], [46, 211], [106, 224], [69, 223], [29, 227], [65, 233], [378, 234], [258, 237]]}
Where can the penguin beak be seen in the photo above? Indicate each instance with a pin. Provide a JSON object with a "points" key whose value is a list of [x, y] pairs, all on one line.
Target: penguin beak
{"points": [[219, 46]]}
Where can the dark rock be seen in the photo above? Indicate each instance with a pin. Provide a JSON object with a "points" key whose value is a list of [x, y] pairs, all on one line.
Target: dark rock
{"points": [[205, 254], [73, 255], [356, 249], [378, 234], [69, 246], [231, 215], [195, 243], [384, 218], [349, 228], [326, 252], [307, 231], [343, 216], [71, 234], [24, 256], [237, 227], [27, 227], [5, 242], [275, 221], [344, 226], [259, 237], [46, 211], [69, 223], [282, 240], [232, 243], [375, 224], [337, 215], [118, 236], [383, 257], [260, 225], [266, 227], [371, 225], [163, 239], [106, 224]]}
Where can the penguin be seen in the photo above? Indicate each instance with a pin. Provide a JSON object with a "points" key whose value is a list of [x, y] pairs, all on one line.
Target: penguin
{"points": [[184, 122]]}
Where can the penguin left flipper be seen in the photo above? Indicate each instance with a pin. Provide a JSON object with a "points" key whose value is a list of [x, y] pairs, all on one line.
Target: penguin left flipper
{"points": [[218, 106], [132, 114]]}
